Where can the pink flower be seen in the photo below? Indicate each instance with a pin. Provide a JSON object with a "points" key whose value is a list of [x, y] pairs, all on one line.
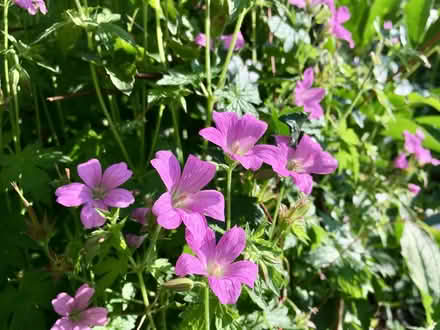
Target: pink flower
{"points": [[401, 161], [339, 16], [237, 137], [388, 25], [140, 216], [74, 311], [216, 262], [99, 191], [413, 145], [302, 3], [32, 6], [308, 97], [414, 189], [299, 163], [227, 39], [200, 40], [184, 199]]}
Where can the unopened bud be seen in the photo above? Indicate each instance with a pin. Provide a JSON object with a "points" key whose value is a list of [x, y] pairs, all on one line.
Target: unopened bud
{"points": [[179, 284]]}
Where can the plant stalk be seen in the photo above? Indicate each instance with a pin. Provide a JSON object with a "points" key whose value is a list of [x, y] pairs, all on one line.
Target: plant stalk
{"points": [[156, 133], [175, 117], [159, 34], [145, 298], [206, 303], [277, 211], [228, 196]]}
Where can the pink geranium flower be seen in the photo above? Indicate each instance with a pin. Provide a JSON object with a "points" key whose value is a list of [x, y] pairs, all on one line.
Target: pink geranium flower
{"points": [[227, 39], [99, 191], [74, 311], [140, 216], [184, 199], [401, 161], [414, 189], [237, 137], [339, 16], [217, 263], [308, 97], [413, 145], [32, 6], [307, 158]]}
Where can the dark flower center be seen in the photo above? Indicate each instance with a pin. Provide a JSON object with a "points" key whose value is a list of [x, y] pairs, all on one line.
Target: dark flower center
{"points": [[75, 316], [295, 165], [216, 270], [99, 193]]}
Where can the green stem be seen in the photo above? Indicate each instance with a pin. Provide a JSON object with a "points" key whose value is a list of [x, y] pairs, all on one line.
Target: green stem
{"points": [[5, 66], [37, 114], [17, 111], [228, 196], [179, 150], [143, 88], [145, 298], [208, 46], [159, 34], [152, 246], [156, 133], [49, 119], [254, 35], [277, 211], [206, 303]]}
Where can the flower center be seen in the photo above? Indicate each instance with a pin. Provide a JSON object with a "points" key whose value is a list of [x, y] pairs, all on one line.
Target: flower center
{"points": [[295, 165], [216, 270], [236, 149], [75, 316], [99, 193], [180, 200]]}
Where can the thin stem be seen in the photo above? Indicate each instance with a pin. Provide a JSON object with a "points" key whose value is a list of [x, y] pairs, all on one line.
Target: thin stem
{"points": [[156, 133], [37, 115], [17, 111], [143, 87], [277, 211], [99, 93], [152, 246], [228, 196], [5, 66], [179, 150], [206, 303], [208, 46], [254, 35], [145, 298], [49, 119], [159, 34]]}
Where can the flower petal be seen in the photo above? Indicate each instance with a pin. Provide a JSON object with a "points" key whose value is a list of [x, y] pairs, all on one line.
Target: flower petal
{"points": [[268, 154], [203, 246], [134, 241], [73, 194], [230, 245], [309, 77], [93, 316], [224, 121], [244, 133], [227, 290], [167, 216], [118, 198], [63, 304], [140, 215], [414, 189], [250, 161], [89, 217], [208, 202], [188, 264], [312, 158], [298, 3], [343, 14], [243, 271], [304, 181], [115, 175], [194, 222], [82, 297], [90, 172], [196, 174], [63, 323], [168, 167], [314, 109], [401, 161], [213, 135]]}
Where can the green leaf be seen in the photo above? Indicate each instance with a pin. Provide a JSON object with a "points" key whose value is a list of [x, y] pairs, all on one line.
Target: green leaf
{"points": [[416, 16], [422, 256], [379, 9], [417, 100]]}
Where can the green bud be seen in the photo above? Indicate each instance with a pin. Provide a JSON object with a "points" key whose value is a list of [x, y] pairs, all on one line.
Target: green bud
{"points": [[179, 284]]}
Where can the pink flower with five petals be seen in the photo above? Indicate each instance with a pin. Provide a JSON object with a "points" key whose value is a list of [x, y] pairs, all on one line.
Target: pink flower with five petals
{"points": [[32, 6], [237, 137], [307, 158], [74, 311], [308, 97], [99, 191], [184, 199], [340, 16], [216, 261]]}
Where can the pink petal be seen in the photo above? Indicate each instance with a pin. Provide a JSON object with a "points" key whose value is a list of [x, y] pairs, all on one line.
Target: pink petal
{"points": [[93, 316], [412, 142], [115, 175], [118, 198], [188, 264], [268, 154], [388, 25], [250, 161], [210, 203], [401, 162], [89, 217], [140, 215], [244, 133], [73, 194], [414, 189], [168, 167], [167, 216], [63, 304], [63, 323], [213, 135], [435, 162], [200, 40], [230, 245], [82, 297], [313, 95], [203, 246], [243, 271], [224, 121], [342, 14], [227, 39], [282, 139], [298, 3], [312, 158], [227, 290], [303, 181], [309, 77], [314, 109], [134, 241], [90, 172], [194, 222], [196, 174]]}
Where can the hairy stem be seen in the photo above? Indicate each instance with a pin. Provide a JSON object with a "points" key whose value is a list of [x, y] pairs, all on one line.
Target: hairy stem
{"points": [[277, 211]]}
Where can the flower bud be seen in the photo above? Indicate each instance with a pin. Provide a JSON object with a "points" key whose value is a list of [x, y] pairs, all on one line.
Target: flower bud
{"points": [[179, 284]]}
